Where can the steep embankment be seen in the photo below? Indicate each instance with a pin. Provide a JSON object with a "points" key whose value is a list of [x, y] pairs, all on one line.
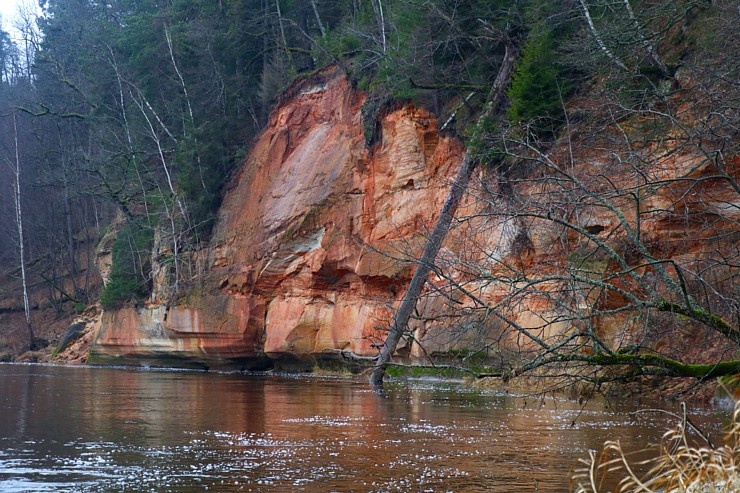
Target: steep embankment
{"points": [[309, 256], [302, 258], [51, 302]]}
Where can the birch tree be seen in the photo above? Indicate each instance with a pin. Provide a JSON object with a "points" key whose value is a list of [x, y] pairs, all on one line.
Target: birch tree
{"points": [[14, 164]]}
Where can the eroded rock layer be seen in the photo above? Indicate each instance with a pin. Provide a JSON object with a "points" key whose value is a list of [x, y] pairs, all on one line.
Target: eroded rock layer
{"points": [[304, 259], [312, 247]]}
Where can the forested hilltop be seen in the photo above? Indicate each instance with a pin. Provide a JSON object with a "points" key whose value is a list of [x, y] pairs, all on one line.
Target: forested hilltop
{"points": [[601, 137]]}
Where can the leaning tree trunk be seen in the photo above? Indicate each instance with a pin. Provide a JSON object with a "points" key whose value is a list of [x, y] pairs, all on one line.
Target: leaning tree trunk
{"points": [[597, 37], [426, 262], [459, 186]]}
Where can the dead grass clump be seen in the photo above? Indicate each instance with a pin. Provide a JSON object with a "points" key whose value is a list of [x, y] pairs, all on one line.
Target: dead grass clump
{"points": [[678, 466]]}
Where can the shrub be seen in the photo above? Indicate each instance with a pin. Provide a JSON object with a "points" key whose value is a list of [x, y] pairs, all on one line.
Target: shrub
{"points": [[130, 277]]}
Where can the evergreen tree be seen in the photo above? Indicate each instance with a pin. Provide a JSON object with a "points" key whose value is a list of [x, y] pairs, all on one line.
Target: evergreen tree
{"points": [[538, 87]]}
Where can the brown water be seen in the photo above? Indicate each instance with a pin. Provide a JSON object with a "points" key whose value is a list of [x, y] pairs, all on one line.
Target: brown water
{"points": [[77, 429]]}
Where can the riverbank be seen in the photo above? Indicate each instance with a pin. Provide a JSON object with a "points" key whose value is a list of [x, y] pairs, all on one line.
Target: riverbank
{"points": [[667, 389], [53, 308], [68, 336]]}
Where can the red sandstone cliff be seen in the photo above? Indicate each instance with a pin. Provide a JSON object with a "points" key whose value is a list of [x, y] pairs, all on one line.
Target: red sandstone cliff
{"points": [[307, 256], [302, 258]]}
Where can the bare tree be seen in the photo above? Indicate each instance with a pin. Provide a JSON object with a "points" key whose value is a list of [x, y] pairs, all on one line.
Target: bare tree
{"points": [[15, 166], [597, 36], [434, 243], [380, 18], [602, 253], [171, 210], [25, 24], [629, 37], [606, 255]]}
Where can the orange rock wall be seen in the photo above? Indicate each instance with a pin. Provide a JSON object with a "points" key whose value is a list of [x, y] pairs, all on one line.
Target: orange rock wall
{"points": [[309, 256], [304, 255]]}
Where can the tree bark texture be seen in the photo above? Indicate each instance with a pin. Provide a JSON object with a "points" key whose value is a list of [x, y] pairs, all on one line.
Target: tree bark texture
{"points": [[21, 239]]}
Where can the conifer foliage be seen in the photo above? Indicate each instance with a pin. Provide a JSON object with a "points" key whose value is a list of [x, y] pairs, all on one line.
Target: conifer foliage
{"points": [[538, 88]]}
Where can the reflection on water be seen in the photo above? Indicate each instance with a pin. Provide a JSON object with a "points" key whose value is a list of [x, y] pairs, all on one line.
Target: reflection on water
{"points": [[66, 429]]}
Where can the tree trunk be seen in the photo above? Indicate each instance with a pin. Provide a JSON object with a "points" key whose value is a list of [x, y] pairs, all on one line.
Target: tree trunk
{"points": [[71, 251], [459, 186], [282, 36], [21, 246], [649, 47], [318, 19], [380, 18], [597, 37]]}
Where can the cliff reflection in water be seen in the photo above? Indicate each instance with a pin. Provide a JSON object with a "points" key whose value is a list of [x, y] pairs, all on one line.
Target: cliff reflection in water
{"points": [[103, 430]]}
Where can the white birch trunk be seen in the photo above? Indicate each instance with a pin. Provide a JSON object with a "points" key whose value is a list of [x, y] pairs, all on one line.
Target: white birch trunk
{"points": [[172, 190], [318, 18], [21, 243], [597, 37], [378, 8], [190, 108], [649, 47]]}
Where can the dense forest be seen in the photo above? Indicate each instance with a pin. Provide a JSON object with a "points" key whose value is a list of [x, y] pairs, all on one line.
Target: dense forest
{"points": [[136, 113]]}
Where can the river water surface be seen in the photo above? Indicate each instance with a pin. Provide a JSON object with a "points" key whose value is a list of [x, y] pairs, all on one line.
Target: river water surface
{"points": [[82, 429]]}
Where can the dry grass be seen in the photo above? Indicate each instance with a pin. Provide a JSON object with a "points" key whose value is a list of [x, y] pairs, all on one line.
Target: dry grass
{"points": [[678, 466]]}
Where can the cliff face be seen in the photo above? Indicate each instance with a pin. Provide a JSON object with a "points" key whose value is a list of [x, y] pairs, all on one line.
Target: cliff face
{"points": [[304, 255], [310, 253]]}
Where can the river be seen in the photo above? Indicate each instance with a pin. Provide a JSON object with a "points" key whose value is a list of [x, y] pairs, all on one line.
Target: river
{"points": [[84, 429]]}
